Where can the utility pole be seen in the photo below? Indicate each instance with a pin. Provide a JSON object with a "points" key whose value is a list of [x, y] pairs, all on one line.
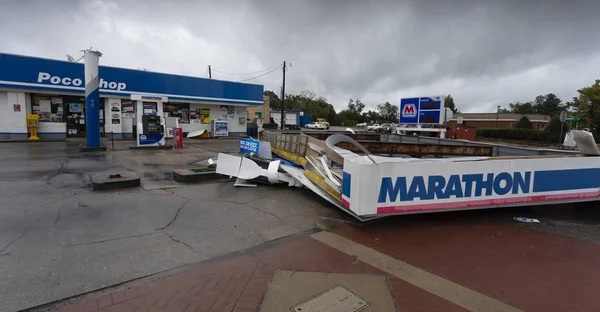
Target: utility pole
{"points": [[592, 125], [209, 72], [283, 99], [497, 115]]}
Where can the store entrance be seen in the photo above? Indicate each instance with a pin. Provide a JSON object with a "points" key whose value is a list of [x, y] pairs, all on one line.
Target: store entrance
{"points": [[76, 118]]}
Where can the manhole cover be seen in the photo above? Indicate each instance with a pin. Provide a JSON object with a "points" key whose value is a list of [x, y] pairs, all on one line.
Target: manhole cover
{"points": [[336, 299]]}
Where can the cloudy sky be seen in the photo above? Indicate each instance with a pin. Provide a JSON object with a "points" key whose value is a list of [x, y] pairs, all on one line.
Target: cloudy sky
{"points": [[484, 53]]}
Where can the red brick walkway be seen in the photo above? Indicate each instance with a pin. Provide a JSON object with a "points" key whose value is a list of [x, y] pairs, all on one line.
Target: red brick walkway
{"points": [[530, 270], [239, 284]]}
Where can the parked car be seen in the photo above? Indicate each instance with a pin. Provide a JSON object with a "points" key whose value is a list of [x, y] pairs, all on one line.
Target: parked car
{"points": [[324, 122], [362, 124], [384, 128], [373, 127], [316, 125]]}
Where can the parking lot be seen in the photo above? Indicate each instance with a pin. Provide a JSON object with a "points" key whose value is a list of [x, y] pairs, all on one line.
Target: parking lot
{"points": [[62, 244], [59, 239]]}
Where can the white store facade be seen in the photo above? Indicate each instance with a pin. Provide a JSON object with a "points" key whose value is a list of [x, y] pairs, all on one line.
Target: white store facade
{"points": [[55, 91]]}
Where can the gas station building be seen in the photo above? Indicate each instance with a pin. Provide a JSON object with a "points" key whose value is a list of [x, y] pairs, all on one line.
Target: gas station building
{"points": [[55, 91]]}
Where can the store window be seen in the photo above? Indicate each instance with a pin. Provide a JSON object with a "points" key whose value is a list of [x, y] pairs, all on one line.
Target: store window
{"points": [[63, 108], [49, 108], [179, 110]]}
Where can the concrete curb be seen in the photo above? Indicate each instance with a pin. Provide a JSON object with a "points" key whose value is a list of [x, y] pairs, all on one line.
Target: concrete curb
{"points": [[102, 182], [150, 147], [32, 141]]}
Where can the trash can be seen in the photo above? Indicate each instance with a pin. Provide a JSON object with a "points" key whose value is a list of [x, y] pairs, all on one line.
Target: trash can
{"points": [[178, 138], [252, 129]]}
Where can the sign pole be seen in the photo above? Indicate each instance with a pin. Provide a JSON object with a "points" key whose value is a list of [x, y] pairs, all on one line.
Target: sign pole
{"points": [[92, 98], [563, 117], [562, 125]]}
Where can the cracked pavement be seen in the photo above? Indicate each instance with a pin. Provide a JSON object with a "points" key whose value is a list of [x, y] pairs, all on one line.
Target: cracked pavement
{"points": [[59, 239]]}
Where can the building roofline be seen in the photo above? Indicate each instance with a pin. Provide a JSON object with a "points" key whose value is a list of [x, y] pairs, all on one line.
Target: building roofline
{"points": [[142, 71]]}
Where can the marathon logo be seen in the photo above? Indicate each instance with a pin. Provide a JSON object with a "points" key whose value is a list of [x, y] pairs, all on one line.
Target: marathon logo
{"points": [[67, 81], [151, 97], [409, 111], [457, 186]]}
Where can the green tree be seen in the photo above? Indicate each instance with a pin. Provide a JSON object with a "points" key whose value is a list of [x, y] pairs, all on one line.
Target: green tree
{"points": [[372, 116], [306, 101], [449, 102], [353, 114], [587, 105], [553, 126], [548, 104], [387, 112], [356, 106], [275, 101], [521, 108], [524, 123]]}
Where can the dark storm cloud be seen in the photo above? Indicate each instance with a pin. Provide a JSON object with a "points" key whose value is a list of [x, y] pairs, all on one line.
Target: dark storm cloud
{"points": [[483, 52]]}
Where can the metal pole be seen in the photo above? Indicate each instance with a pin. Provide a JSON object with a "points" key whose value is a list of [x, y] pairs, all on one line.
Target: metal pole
{"points": [[283, 99], [562, 125], [497, 115], [112, 139], [92, 98], [570, 124]]}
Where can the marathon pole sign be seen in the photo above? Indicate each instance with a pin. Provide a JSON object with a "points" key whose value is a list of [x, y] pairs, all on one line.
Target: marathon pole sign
{"points": [[422, 110], [418, 186]]}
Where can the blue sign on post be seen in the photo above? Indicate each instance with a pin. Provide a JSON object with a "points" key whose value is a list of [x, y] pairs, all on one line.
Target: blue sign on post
{"points": [[423, 110], [409, 111], [249, 146]]}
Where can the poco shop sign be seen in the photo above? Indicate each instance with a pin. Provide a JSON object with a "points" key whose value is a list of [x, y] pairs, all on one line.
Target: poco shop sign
{"points": [[44, 77], [455, 186]]}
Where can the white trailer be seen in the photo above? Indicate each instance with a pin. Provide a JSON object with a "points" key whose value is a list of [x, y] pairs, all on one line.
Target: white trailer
{"points": [[291, 120]]}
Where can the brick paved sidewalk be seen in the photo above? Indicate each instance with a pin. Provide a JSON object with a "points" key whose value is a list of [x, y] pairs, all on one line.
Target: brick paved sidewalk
{"points": [[475, 265], [528, 269], [239, 284]]}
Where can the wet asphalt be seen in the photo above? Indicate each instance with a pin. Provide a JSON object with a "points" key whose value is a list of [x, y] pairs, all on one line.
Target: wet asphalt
{"points": [[59, 239]]}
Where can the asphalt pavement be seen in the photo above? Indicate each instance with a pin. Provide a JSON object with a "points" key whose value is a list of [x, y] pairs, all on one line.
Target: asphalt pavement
{"points": [[59, 239]]}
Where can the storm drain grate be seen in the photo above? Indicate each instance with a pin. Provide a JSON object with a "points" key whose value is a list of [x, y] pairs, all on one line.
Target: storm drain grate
{"points": [[336, 299]]}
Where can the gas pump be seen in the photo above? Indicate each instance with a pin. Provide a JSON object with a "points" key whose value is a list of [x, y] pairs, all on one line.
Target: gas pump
{"points": [[151, 131], [151, 125]]}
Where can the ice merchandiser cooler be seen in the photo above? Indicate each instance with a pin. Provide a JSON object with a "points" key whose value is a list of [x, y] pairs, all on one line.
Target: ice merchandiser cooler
{"points": [[220, 128]]}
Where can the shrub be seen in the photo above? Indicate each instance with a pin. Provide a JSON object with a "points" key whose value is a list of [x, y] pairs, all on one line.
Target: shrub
{"points": [[554, 125], [518, 134], [524, 123]]}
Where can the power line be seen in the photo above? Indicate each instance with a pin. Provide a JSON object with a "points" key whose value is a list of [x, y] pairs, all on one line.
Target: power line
{"points": [[272, 70], [246, 74]]}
